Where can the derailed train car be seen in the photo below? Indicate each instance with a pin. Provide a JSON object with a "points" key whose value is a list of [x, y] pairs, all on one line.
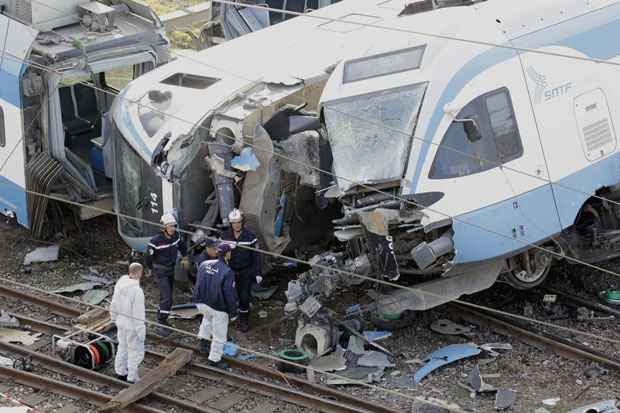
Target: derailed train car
{"points": [[62, 62], [480, 150]]}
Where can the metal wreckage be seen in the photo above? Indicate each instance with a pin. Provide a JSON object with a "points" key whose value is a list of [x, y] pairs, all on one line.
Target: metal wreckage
{"points": [[212, 130]]}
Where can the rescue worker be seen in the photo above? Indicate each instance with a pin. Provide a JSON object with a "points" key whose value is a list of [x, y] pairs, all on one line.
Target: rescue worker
{"points": [[161, 258], [216, 299], [245, 262], [209, 252], [128, 313]]}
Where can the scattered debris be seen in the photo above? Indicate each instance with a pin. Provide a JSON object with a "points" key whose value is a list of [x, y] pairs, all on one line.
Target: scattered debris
{"points": [[550, 298], [94, 297], [477, 384], [446, 355], [504, 399], [448, 327], [375, 359], [310, 307], [16, 409], [405, 381], [263, 293], [376, 376], [594, 372], [246, 161], [528, 310], [6, 362], [93, 276], [85, 286], [551, 402], [292, 355], [230, 349], [584, 314], [541, 410], [376, 335], [43, 254], [491, 347], [332, 362], [356, 345], [247, 357], [7, 321], [26, 338], [607, 406]]}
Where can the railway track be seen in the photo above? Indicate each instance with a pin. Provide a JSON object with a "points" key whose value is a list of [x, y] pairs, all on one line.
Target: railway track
{"points": [[526, 333], [285, 388]]}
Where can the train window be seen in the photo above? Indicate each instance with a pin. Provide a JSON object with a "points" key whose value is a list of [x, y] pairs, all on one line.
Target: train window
{"points": [[118, 78], [500, 142], [2, 130]]}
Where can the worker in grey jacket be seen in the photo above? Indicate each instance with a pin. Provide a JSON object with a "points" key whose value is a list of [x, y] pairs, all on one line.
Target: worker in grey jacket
{"points": [[216, 298], [128, 313]]}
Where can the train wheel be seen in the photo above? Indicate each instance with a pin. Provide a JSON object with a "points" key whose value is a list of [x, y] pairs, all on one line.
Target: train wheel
{"points": [[529, 269]]}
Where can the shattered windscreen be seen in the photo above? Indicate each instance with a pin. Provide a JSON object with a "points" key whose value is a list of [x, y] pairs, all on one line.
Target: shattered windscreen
{"points": [[371, 134]]}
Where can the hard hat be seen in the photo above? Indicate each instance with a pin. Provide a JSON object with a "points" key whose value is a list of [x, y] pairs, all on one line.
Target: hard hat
{"points": [[223, 249], [236, 215], [168, 219]]}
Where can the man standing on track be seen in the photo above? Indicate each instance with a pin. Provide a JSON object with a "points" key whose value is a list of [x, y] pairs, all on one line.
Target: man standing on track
{"points": [[245, 262], [216, 299], [128, 313], [162, 255]]}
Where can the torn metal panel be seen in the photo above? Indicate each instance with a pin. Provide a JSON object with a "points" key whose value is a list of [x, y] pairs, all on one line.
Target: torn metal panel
{"points": [[333, 362], [261, 192], [375, 359], [445, 355], [85, 286], [301, 156], [433, 293], [504, 399], [477, 383]]}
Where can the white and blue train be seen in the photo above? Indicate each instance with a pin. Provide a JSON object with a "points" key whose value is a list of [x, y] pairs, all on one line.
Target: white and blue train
{"points": [[62, 62], [498, 144]]}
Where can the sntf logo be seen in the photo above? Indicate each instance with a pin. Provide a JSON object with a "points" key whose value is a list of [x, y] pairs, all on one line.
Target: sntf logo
{"points": [[542, 90]]}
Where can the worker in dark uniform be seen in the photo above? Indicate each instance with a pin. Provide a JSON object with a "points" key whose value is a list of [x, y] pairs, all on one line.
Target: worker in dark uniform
{"points": [[216, 298], [245, 262], [204, 248], [161, 258]]}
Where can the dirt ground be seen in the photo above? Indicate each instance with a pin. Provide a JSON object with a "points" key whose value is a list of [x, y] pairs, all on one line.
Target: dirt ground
{"points": [[536, 374]]}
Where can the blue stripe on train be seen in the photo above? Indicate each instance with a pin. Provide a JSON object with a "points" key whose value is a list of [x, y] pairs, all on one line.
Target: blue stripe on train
{"points": [[13, 199]]}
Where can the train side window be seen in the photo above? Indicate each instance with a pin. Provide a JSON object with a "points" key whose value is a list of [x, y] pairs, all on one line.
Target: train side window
{"points": [[500, 142], [2, 129]]}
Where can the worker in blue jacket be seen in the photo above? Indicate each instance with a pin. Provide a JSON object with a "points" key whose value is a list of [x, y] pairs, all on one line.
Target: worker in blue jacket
{"points": [[244, 261], [162, 254], [216, 298]]}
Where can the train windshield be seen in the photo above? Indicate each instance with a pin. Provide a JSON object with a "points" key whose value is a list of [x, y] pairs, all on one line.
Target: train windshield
{"points": [[370, 135]]}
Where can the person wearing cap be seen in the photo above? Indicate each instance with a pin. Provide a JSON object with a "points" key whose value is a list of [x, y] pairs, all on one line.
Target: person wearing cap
{"points": [[204, 248], [128, 313], [244, 261], [162, 254], [216, 298]]}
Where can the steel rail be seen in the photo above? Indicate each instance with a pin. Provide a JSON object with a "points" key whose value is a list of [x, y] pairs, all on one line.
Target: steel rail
{"points": [[58, 387], [555, 343], [54, 306], [324, 398], [60, 366]]}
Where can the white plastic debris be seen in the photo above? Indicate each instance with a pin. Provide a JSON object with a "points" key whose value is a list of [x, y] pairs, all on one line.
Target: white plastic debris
{"points": [[551, 402], [43, 254]]}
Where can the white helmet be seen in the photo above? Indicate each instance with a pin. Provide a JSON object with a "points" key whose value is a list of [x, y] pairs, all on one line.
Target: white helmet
{"points": [[236, 215], [168, 219]]}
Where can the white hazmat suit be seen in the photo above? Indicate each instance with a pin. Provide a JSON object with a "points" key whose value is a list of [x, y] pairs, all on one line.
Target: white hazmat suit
{"points": [[128, 313]]}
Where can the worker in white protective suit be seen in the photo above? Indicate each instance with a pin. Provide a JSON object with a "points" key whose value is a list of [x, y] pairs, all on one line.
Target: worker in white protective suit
{"points": [[128, 313]]}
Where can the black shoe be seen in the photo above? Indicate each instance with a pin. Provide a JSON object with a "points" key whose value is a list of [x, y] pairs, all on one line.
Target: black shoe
{"points": [[219, 365], [205, 346], [123, 378]]}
